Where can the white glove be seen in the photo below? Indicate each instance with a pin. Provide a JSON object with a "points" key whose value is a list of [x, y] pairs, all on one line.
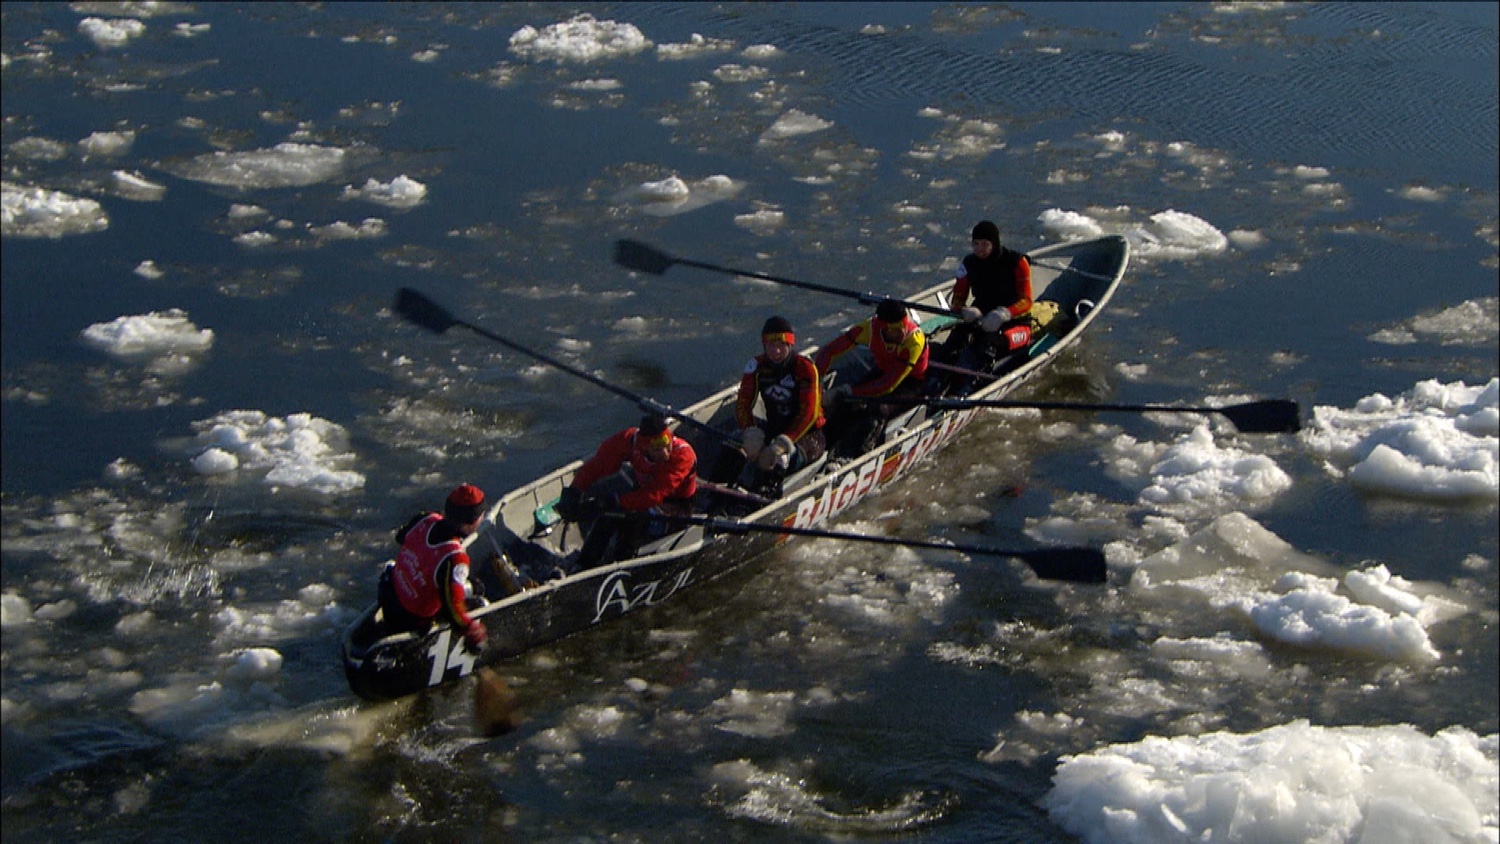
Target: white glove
{"points": [[992, 321], [969, 313], [779, 455], [753, 439]]}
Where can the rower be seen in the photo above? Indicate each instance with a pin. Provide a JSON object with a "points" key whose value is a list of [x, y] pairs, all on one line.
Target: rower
{"points": [[997, 324], [642, 469], [899, 349], [790, 436], [430, 578]]}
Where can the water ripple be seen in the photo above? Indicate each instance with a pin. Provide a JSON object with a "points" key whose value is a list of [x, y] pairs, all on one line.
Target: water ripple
{"points": [[1330, 89]]}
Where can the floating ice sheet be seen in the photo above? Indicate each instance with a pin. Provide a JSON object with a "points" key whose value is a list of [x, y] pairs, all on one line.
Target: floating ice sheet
{"points": [[1294, 782]]}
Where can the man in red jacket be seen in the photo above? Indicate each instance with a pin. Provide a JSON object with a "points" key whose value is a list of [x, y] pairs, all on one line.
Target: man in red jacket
{"points": [[642, 469], [430, 578]]}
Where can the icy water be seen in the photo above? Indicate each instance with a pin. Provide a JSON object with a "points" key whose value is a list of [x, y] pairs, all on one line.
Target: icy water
{"points": [[213, 421]]}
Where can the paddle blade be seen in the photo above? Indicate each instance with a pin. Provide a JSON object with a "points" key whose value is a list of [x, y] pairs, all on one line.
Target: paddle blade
{"points": [[1077, 565], [634, 255], [1270, 416], [494, 704], [423, 311]]}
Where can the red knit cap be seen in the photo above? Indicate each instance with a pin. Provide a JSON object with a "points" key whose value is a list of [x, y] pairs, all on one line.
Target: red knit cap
{"points": [[465, 504], [466, 495]]}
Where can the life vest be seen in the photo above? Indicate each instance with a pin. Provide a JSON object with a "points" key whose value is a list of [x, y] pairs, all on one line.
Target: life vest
{"points": [[993, 282], [419, 564], [911, 350], [904, 361]]}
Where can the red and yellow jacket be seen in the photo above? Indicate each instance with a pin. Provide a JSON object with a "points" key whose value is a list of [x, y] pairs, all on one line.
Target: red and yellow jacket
{"points": [[792, 394], [894, 362]]}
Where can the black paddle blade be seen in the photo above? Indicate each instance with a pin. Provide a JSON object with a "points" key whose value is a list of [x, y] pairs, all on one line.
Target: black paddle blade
{"points": [[1270, 416], [423, 311], [634, 255], [1078, 565]]}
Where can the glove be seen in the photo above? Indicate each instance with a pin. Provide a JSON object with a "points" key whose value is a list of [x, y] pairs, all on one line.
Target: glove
{"points": [[475, 634], [992, 321], [568, 503], [753, 439], [838, 394], [597, 505], [969, 313], [778, 455]]}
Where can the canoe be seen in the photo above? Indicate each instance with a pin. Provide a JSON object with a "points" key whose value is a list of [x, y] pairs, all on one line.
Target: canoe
{"points": [[1076, 280]]}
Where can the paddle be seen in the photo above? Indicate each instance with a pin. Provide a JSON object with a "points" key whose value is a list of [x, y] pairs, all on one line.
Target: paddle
{"points": [[1061, 269], [428, 314], [1267, 416], [1078, 565], [733, 492], [634, 255], [495, 710]]}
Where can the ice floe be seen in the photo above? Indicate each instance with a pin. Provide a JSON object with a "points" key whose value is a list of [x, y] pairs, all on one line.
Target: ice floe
{"points": [[1293, 782], [37, 212], [297, 451], [579, 39], [1435, 441]]}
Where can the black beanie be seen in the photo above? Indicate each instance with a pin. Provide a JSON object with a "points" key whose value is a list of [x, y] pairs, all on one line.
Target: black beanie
{"points": [[653, 425], [987, 230], [890, 311], [776, 325]]}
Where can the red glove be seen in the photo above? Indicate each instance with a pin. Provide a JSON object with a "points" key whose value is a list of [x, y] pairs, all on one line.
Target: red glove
{"points": [[475, 634]]}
